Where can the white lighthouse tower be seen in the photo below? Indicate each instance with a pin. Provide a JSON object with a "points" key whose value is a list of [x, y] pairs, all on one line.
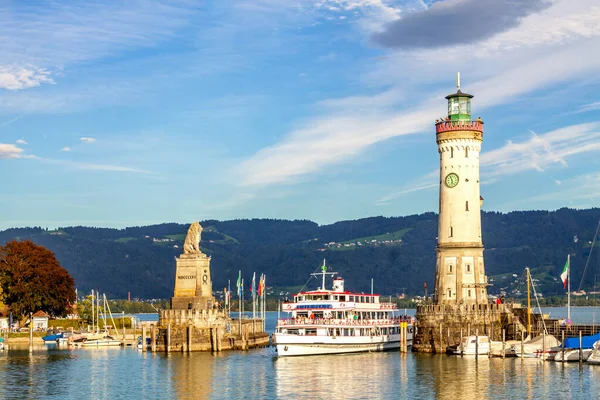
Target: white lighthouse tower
{"points": [[460, 274]]}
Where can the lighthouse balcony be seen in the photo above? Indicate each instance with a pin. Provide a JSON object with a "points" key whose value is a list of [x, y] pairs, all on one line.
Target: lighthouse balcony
{"points": [[449, 126]]}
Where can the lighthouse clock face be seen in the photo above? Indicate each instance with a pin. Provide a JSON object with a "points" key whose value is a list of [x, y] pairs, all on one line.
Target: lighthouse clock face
{"points": [[451, 180]]}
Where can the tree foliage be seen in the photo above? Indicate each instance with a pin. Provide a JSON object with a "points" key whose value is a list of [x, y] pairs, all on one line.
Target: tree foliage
{"points": [[32, 279]]}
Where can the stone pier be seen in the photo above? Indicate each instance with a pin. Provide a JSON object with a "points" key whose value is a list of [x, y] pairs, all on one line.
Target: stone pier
{"points": [[441, 326], [207, 330]]}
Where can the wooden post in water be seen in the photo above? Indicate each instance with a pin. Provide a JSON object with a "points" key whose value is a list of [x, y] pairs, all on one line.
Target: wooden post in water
{"points": [[153, 338], [580, 349], [563, 346], [169, 337], [522, 338], [544, 346], [461, 341], [31, 332], [144, 346], [503, 343], [189, 338], [476, 343], [441, 339]]}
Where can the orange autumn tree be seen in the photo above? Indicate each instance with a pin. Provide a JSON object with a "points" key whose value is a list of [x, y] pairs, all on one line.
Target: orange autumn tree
{"points": [[32, 279]]}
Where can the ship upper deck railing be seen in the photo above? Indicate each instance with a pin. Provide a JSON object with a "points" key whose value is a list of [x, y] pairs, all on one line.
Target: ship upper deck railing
{"points": [[336, 322]]}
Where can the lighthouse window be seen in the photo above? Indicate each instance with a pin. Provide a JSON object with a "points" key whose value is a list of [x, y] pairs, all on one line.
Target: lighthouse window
{"points": [[451, 152], [466, 152], [466, 206], [450, 268], [451, 232], [469, 292], [468, 267], [449, 292]]}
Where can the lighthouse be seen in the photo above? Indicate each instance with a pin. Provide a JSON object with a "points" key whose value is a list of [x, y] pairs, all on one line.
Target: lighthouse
{"points": [[460, 306], [460, 273]]}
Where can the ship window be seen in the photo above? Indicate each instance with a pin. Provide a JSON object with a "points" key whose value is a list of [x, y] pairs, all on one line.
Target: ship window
{"points": [[466, 206], [335, 297], [351, 298], [342, 298]]}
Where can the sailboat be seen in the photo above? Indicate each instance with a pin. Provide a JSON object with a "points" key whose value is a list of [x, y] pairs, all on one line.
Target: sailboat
{"points": [[105, 339], [543, 346], [570, 350]]}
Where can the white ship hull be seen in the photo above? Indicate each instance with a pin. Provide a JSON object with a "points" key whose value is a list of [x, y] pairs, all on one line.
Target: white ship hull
{"points": [[307, 345]]}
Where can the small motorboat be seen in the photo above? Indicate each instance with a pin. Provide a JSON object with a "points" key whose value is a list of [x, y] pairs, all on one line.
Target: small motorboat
{"points": [[472, 345]]}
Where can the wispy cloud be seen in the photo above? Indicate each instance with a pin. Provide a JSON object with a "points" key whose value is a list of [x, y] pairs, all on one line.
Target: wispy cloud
{"points": [[542, 150], [63, 33], [10, 151], [588, 107], [87, 139], [21, 141], [91, 166], [13, 77], [386, 199], [66, 148], [345, 129]]}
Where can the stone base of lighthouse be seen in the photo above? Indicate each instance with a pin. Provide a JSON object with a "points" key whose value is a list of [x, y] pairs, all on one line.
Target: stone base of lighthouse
{"points": [[440, 327]]}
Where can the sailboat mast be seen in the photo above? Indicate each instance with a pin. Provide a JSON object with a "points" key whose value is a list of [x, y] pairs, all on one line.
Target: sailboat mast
{"points": [[528, 301], [323, 269], [93, 316], [569, 288]]}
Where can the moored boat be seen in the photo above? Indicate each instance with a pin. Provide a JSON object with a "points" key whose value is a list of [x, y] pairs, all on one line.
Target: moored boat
{"points": [[338, 321], [594, 358], [542, 346], [472, 345], [572, 345]]}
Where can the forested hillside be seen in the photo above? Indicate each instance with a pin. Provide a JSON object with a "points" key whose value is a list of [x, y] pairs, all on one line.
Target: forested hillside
{"points": [[398, 252]]}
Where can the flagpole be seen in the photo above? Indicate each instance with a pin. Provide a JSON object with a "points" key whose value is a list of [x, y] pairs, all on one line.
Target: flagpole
{"points": [[569, 289]]}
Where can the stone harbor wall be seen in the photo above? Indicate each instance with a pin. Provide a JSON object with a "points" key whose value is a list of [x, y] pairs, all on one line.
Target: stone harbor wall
{"points": [[207, 330], [442, 326]]}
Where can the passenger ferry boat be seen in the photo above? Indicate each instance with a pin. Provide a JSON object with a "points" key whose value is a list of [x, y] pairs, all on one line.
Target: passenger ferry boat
{"points": [[337, 321]]}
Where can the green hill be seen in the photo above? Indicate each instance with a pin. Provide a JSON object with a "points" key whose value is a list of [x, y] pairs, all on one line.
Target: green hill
{"points": [[398, 252]]}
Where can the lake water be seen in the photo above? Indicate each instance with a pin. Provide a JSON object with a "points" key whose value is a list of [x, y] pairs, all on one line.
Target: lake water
{"points": [[126, 373]]}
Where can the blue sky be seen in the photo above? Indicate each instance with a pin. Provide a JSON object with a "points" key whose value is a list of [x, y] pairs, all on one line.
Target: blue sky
{"points": [[138, 112]]}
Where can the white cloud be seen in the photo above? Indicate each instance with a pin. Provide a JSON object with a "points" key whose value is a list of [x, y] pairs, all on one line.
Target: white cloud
{"points": [[10, 151], [21, 141], [67, 148], [542, 150], [348, 126], [588, 107], [87, 139], [91, 166], [16, 78]]}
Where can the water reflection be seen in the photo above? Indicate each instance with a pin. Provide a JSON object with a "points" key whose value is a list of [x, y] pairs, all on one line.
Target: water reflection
{"points": [[191, 375], [336, 376]]}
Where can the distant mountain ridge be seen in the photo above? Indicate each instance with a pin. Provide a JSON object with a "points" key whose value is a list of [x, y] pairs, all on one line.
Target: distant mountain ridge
{"points": [[398, 252]]}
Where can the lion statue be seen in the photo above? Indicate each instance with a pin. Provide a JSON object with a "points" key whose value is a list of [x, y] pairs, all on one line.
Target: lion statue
{"points": [[192, 240]]}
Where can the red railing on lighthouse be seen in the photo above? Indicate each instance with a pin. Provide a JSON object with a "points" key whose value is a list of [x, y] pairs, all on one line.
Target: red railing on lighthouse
{"points": [[448, 126]]}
